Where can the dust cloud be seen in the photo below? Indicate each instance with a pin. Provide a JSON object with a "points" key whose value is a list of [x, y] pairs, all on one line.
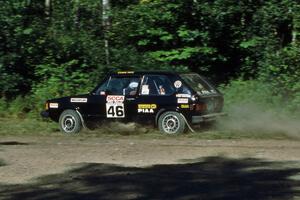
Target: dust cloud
{"points": [[130, 128], [257, 119]]}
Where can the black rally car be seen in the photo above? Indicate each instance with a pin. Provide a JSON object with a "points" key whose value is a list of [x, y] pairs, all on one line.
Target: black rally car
{"points": [[171, 101]]}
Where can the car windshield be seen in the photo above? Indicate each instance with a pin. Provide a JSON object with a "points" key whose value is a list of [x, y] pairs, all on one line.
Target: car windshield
{"points": [[198, 83]]}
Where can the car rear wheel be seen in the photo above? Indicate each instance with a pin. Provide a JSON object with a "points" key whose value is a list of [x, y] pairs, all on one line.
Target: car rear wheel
{"points": [[171, 122], [69, 122]]}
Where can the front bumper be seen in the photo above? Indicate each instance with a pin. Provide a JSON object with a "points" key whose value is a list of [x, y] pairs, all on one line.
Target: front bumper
{"points": [[207, 118], [45, 114]]}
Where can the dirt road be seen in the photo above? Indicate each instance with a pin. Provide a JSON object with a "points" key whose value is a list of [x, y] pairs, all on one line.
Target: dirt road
{"points": [[27, 160]]}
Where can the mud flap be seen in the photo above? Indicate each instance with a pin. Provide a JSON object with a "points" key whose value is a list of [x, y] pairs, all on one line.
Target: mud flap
{"points": [[81, 118], [187, 123]]}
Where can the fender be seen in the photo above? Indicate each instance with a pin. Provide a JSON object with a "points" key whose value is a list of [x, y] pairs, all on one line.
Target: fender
{"points": [[161, 111]]}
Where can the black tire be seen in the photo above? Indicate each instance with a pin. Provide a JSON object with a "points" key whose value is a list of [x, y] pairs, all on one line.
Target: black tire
{"points": [[69, 122], [171, 123]]}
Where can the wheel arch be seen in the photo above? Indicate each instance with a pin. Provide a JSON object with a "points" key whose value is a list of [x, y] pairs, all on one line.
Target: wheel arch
{"points": [[56, 114]]}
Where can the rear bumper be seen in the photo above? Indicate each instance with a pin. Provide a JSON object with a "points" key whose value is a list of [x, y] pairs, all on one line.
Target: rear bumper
{"points": [[44, 114], [206, 118]]}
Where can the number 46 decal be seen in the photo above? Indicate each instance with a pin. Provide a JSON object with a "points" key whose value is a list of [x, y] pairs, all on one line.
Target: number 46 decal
{"points": [[115, 110]]}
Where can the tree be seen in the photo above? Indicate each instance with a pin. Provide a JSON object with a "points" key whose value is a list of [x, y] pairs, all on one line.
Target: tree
{"points": [[106, 26], [47, 7]]}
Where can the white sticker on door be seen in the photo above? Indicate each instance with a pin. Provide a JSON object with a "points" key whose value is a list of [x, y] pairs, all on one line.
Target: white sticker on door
{"points": [[145, 89]]}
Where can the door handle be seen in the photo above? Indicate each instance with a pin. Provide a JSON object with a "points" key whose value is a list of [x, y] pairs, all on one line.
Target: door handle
{"points": [[130, 99]]}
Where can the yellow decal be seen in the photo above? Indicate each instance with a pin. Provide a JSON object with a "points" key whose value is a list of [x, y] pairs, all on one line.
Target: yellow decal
{"points": [[184, 106], [128, 72], [147, 106]]}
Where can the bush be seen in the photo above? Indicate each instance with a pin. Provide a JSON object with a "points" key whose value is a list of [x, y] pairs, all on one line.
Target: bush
{"points": [[3, 107], [261, 94], [20, 106], [282, 71]]}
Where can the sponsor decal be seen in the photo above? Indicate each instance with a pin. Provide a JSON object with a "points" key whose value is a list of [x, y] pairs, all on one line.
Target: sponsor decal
{"points": [[184, 106], [146, 108], [53, 105], [183, 95], [182, 100], [115, 98], [177, 84], [78, 100]]}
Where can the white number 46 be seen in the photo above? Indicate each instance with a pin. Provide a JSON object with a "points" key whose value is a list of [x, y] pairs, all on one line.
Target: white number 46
{"points": [[115, 110]]}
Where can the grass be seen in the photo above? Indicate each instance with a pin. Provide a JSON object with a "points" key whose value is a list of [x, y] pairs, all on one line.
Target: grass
{"points": [[25, 127]]}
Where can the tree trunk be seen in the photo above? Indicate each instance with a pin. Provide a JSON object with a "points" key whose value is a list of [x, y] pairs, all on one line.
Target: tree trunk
{"points": [[296, 25], [77, 14], [106, 27], [47, 8]]}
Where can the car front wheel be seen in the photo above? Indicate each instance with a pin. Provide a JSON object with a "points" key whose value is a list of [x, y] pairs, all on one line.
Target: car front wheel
{"points": [[69, 122], [171, 122]]}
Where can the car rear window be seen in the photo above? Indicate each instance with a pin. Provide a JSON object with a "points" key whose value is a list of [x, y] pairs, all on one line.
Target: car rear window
{"points": [[198, 83]]}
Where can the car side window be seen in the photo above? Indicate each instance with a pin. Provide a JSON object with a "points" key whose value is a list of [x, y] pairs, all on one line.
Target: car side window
{"points": [[184, 90], [156, 85], [101, 90], [126, 86]]}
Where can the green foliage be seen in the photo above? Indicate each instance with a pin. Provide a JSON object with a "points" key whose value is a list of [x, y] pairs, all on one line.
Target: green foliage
{"points": [[282, 71], [59, 81], [181, 54], [157, 28]]}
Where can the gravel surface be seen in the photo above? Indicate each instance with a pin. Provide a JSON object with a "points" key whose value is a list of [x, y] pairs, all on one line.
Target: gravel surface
{"points": [[23, 159]]}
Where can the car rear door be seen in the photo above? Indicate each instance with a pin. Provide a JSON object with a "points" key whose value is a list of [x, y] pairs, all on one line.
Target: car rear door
{"points": [[156, 93]]}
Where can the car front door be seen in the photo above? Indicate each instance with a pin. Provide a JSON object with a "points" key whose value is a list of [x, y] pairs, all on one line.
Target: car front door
{"points": [[117, 97]]}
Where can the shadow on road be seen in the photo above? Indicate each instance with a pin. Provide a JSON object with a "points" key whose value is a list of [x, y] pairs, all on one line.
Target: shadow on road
{"points": [[2, 163], [209, 178], [13, 143]]}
